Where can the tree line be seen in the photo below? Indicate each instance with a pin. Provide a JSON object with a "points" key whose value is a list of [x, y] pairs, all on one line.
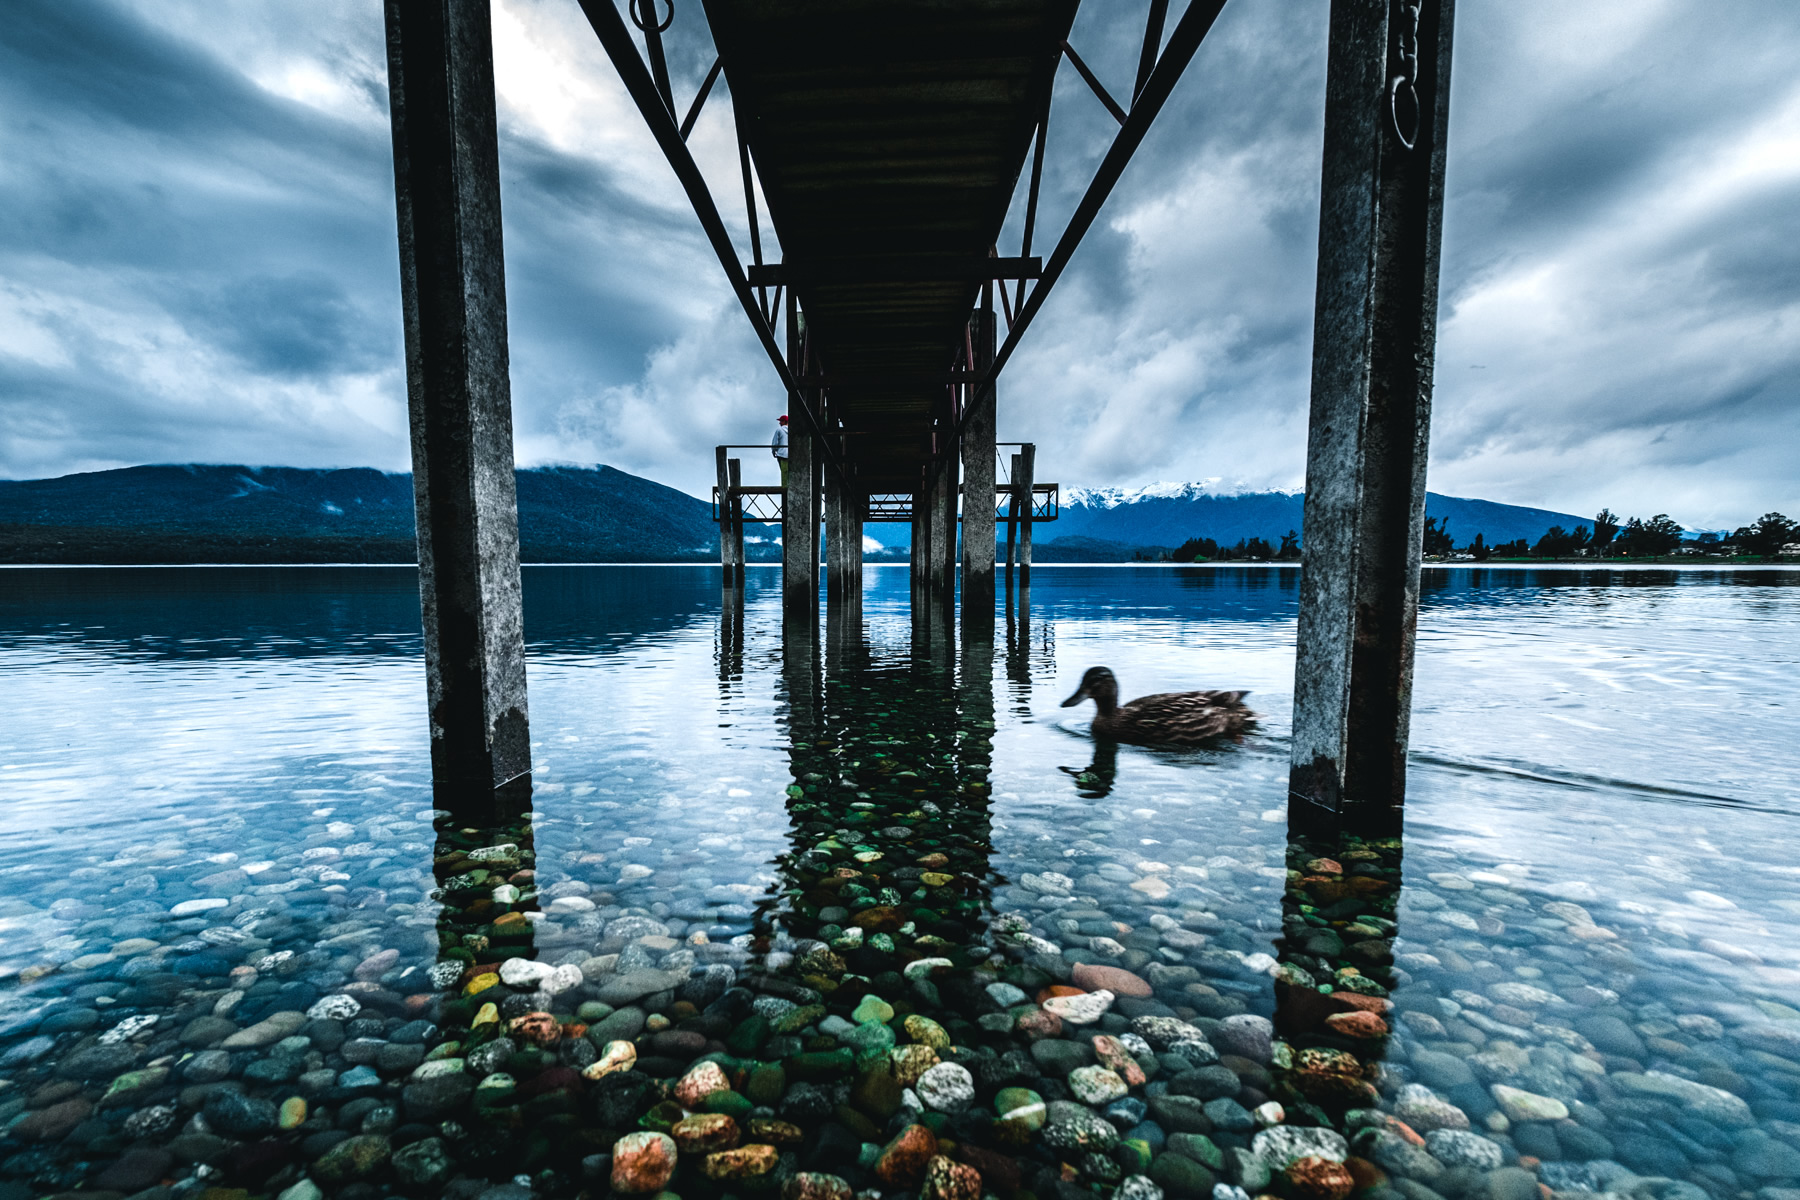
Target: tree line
{"points": [[1609, 537], [1205, 549]]}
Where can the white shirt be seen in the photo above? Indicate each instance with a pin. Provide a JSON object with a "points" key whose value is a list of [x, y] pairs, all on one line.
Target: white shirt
{"points": [[778, 445]]}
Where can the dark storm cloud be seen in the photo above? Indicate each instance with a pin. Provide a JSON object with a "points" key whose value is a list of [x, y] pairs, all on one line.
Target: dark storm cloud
{"points": [[198, 259]]}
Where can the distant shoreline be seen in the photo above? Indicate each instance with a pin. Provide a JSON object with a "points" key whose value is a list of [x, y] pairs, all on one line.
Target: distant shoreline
{"points": [[1511, 564]]}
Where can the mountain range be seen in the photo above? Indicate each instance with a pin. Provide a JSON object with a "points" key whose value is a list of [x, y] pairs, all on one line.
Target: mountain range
{"points": [[205, 513], [1110, 524], [211, 513]]}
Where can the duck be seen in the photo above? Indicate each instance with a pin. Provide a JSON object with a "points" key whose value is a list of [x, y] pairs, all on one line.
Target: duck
{"points": [[1166, 718]]}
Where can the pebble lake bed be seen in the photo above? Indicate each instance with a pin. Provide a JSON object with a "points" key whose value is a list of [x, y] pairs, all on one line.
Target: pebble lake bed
{"points": [[875, 917]]}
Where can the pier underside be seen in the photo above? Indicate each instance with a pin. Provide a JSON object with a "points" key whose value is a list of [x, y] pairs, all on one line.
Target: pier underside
{"points": [[887, 141]]}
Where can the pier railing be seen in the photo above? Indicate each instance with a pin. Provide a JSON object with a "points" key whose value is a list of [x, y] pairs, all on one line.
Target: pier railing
{"points": [[760, 505]]}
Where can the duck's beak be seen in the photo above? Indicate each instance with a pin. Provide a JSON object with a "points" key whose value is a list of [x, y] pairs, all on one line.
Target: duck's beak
{"points": [[1077, 698]]}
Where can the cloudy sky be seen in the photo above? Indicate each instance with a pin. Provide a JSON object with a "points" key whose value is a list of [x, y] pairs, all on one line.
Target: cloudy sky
{"points": [[198, 261]]}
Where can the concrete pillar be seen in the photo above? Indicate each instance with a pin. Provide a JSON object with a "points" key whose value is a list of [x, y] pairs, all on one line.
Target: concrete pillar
{"points": [[1012, 517], [735, 480], [731, 525], [855, 503], [942, 516], [800, 527], [1024, 478], [459, 400], [837, 564], [978, 485], [920, 554], [1386, 107]]}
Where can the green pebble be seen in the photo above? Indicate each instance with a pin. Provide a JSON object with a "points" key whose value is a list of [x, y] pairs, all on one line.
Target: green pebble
{"points": [[934, 1121], [1198, 1147], [1181, 1177], [1027, 1103], [796, 1019], [927, 1032], [1137, 1151], [873, 1008], [749, 1035], [495, 1089], [730, 1103], [872, 1037], [883, 942], [766, 1084], [593, 1010], [664, 1116]]}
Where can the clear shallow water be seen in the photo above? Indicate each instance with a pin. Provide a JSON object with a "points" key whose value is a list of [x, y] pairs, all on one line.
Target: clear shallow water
{"points": [[1617, 741]]}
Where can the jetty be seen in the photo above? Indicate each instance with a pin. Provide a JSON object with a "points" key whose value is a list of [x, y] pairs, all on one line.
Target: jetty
{"points": [[887, 141]]}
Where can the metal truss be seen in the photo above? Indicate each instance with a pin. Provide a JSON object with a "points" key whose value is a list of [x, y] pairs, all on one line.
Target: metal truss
{"points": [[760, 286]]}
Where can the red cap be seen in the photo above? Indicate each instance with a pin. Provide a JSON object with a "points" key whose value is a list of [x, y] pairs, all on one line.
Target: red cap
{"points": [[782, 418]]}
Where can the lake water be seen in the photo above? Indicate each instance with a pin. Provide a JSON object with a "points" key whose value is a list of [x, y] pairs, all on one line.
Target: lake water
{"points": [[855, 905]]}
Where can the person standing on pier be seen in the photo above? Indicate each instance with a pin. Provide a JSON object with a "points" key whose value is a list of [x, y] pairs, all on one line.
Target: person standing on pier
{"points": [[778, 446]]}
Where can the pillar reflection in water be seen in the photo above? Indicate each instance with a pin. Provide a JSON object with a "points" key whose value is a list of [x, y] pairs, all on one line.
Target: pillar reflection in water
{"points": [[486, 883], [890, 756], [1334, 975]]}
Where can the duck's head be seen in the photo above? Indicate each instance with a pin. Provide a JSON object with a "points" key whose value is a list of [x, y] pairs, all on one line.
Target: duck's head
{"points": [[1097, 685]]}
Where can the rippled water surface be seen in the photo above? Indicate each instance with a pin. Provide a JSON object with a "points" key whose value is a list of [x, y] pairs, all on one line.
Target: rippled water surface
{"points": [[877, 915]]}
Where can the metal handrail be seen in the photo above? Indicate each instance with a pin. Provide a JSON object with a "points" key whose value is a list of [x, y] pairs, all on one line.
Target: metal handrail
{"points": [[1046, 504]]}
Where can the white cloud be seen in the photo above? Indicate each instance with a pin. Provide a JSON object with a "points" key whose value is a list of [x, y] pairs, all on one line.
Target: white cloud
{"points": [[1621, 289]]}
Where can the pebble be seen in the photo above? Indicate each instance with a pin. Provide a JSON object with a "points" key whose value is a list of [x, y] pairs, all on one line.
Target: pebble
{"points": [[1079, 1010], [1460, 1148], [1519, 1105], [642, 1163], [946, 1087], [1283, 1144], [1159, 1069]]}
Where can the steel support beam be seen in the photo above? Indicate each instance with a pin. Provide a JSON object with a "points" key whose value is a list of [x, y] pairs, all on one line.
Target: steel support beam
{"points": [[978, 526], [1382, 188], [459, 400]]}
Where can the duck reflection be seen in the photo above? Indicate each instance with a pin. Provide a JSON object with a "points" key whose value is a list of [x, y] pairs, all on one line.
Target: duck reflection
{"points": [[1095, 781]]}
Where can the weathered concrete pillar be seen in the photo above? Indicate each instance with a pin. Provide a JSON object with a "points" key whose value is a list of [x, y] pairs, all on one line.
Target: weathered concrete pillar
{"points": [[1023, 478], [1012, 517], [735, 480], [1374, 334], [855, 504], [731, 524], [942, 516], [978, 485], [459, 400], [920, 554], [800, 528], [837, 565]]}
